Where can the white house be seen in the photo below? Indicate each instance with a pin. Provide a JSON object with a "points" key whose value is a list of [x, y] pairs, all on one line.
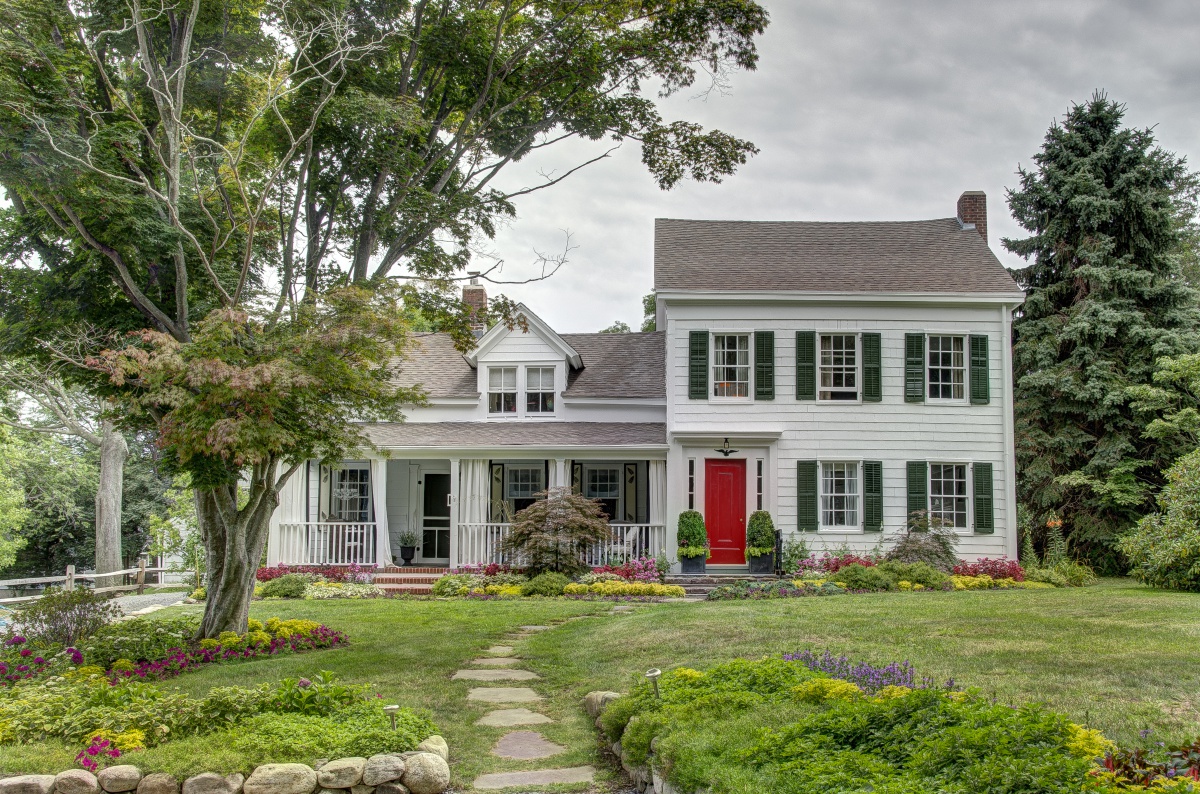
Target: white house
{"points": [[839, 375]]}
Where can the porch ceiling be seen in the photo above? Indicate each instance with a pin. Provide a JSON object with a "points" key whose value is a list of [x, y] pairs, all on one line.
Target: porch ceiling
{"points": [[476, 435]]}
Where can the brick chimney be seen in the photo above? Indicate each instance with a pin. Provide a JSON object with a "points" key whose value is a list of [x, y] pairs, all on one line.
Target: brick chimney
{"points": [[972, 208], [474, 295]]}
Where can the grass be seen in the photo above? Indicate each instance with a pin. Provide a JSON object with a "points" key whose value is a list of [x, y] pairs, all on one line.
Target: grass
{"points": [[1117, 656]]}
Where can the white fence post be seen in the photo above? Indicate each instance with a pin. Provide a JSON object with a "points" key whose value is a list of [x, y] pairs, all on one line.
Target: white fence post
{"points": [[69, 584]]}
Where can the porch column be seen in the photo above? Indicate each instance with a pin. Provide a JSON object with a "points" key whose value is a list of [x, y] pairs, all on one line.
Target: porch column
{"points": [[454, 491], [562, 474]]}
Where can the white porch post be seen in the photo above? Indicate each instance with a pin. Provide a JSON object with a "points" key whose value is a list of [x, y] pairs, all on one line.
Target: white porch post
{"points": [[455, 489], [561, 475]]}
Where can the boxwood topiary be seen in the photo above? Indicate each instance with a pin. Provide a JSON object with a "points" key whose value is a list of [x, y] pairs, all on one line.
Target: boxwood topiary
{"points": [[290, 585], [921, 573], [545, 584], [860, 577], [691, 536], [760, 534]]}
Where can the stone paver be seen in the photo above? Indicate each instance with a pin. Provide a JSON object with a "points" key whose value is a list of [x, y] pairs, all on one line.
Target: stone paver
{"points": [[539, 777], [503, 694], [536, 628], [526, 746], [622, 608], [500, 650], [510, 718], [495, 661], [494, 675]]}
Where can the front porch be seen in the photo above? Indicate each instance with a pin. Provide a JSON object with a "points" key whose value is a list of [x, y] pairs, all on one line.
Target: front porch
{"points": [[457, 511]]}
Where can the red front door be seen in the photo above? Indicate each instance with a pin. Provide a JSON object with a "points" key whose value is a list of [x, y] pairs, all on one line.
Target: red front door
{"points": [[725, 510]]}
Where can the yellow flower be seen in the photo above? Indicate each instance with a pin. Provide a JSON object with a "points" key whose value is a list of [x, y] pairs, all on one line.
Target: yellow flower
{"points": [[819, 690], [1086, 742], [891, 692], [254, 625]]}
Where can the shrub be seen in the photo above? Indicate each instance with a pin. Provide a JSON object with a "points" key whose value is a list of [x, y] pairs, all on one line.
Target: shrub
{"points": [[555, 532], [454, 584], [137, 640], [319, 590], [1002, 568], [291, 585], [748, 590], [690, 535], [928, 540], [1064, 573], [360, 731], [63, 617], [760, 534], [642, 569], [600, 575], [921, 573], [1164, 547], [861, 577], [546, 584], [351, 574], [653, 589], [830, 563]]}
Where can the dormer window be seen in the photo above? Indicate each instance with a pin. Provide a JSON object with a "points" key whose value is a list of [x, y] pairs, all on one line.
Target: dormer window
{"points": [[539, 390], [502, 390]]}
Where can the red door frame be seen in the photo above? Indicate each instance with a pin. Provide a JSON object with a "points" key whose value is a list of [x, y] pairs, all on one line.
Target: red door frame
{"points": [[725, 509]]}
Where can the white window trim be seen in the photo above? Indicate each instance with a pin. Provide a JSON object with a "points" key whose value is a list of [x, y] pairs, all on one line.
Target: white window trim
{"points": [[712, 365], [523, 396], [511, 467], [619, 468], [858, 378], [842, 530], [965, 399], [516, 387], [334, 473], [969, 529]]}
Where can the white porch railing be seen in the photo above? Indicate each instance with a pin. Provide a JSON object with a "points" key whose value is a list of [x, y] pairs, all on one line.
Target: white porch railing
{"points": [[327, 543], [482, 544]]}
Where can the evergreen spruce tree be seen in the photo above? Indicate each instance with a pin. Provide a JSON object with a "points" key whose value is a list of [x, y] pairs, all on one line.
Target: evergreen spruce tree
{"points": [[1108, 214]]}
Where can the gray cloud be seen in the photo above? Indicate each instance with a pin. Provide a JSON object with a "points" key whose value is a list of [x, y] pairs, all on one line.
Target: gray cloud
{"points": [[863, 111]]}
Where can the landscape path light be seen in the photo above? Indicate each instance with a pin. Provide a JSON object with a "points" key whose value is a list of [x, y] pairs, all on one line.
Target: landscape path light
{"points": [[392, 711], [653, 676]]}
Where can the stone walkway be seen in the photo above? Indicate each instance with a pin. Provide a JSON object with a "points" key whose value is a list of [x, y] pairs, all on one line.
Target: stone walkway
{"points": [[522, 744]]}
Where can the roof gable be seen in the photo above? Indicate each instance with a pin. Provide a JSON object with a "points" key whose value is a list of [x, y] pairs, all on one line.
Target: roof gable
{"points": [[536, 326], [903, 257]]}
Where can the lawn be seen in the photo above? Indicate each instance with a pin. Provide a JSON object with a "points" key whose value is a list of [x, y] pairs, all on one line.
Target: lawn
{"points": [[1118, 656]]}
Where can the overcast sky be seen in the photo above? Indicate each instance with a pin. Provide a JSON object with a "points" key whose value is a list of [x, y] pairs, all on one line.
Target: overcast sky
{"points": [[862, 110]]}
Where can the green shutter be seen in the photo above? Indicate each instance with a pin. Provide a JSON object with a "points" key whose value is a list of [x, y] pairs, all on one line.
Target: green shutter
{"points": [[918, 486], [980, 375], [872, 496], [806, 365], [764, 365], [914, 368], [698, 365], [985, 513], [576, 477], [872, 369], [496, 509], [806, 495]]}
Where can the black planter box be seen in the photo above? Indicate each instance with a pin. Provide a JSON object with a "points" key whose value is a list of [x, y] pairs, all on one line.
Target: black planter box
{"points": [[692, 564], [764, 563]]}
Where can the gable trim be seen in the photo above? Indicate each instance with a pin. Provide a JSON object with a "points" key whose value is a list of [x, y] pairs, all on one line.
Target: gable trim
{"points": [[538, 326]]}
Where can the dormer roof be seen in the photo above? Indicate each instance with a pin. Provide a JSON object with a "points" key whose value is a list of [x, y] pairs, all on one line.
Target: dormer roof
{"points": [[537, 326]]}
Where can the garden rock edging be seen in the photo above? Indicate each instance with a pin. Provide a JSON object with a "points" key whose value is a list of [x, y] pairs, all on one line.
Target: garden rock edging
{"points": [[644, 778], [422, 771]]}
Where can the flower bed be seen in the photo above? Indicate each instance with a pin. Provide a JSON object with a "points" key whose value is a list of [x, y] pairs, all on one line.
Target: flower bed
{"points": [[814, 723], [354, 574], [641, 578]]}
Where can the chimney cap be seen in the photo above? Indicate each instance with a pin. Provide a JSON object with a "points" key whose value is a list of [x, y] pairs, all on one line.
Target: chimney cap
{"points": [[474, 274]]}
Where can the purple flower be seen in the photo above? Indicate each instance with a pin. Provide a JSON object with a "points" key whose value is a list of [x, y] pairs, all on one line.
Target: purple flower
{"points": [[39, 660], [17, 640], [304, 683], [26, 652]]}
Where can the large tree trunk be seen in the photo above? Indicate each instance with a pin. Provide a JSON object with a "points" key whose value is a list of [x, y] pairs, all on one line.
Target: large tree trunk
{"points": [[233, 543], [113, 451]]}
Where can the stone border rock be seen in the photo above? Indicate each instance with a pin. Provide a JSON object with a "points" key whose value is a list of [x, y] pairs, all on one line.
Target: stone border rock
{"points": [[644, 778], [422, 771]]}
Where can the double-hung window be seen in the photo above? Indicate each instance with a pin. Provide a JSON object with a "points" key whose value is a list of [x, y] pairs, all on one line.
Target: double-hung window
{"points": [[523, 482], [350, 495], [539, 390], [948, 494], [840, 496], [604, 484], [838, 368], [502, 390], [947, 368], [731, 365]]}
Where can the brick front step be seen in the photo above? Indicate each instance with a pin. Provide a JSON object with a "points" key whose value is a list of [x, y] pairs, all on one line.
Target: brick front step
{"points": [[398, 579], [701, 584], [392, 569]]}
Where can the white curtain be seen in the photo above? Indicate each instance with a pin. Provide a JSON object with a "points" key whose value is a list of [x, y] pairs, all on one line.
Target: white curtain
{"points": [[474, 492], [383, 540], [658, 491]]}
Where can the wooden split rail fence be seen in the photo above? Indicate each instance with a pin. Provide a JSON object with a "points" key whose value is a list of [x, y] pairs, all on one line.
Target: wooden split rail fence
{"points": [[71, 578]]}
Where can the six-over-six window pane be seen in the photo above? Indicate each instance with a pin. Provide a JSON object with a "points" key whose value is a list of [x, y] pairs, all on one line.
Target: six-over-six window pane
{"points": [[839, 495], [839, 367], [948, 494], [502, 390], [947, 368], [731, 365], [539, 390]]}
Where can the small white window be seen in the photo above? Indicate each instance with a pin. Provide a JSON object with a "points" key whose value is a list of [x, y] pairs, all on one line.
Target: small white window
{"points": [[947, 368], [731, 365], [839, 367], [539, 390], [502, 390], [839, 495], [604, 484], [948, 494], [523, 483], [351, 494]]}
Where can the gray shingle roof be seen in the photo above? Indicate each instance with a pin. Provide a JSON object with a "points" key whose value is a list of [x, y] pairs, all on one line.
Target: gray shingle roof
{"points": [[435, 365], [618, 365], [936, 256], [614, 365], [517, 434]]}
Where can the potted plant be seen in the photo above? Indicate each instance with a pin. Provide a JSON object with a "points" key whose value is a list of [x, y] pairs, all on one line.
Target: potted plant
{"points": [[408, 546], [760, 542], [692, 540]]}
